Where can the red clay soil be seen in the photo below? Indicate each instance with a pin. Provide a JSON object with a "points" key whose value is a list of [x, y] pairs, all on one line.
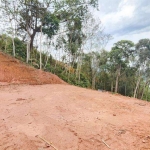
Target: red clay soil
{"points": [[65, 117], [72, 118], [14, 71]]}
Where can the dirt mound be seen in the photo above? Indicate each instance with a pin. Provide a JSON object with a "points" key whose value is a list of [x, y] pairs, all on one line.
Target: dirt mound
{"points": [[14, 71], [71, 118]]}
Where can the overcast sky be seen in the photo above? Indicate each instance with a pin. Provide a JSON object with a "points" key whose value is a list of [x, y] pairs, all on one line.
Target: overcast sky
{"points": [[125, 19]]}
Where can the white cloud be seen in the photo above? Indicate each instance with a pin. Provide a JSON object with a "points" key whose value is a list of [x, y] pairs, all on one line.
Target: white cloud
{"points": [[117, 19], [146, 9], [126, 11], [125, 19], [135, 37]]}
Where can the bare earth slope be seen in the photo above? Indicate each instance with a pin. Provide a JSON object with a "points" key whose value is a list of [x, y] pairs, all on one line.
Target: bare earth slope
{"points": [[72, 118], [13, 71]]}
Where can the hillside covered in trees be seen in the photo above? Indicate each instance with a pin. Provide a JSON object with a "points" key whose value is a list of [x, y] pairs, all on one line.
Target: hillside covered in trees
{"points": [[63, 37]]}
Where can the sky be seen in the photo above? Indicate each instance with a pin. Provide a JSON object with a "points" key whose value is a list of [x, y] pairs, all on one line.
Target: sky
{"points": [[125, 19]]}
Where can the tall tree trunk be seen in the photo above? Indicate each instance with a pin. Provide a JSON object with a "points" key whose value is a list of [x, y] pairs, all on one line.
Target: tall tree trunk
{"points": [[125, 89], [93, 82], [144, 88], [117, 79], [116, 86], [28, 52], [41, 49], [6, 46], [13, 42], [78, 71], [47, 57], [14, 51], [147, 93], [28, 46], [80, 67], [32, 40], [69, 66], [136, 88], [112, 86]]}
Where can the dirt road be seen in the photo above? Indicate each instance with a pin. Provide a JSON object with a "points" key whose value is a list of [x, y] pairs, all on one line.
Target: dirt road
{"points": [[71, 118]]}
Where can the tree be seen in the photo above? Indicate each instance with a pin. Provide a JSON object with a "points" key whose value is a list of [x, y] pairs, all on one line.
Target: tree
{"points": [[36, 17], [32, 15], [9, 10], [142, 54], [120, 57], [73, 15], [94, 64]]}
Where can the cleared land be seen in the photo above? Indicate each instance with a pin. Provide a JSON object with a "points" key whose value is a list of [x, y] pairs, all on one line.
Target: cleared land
{"points": [[14, 71], [70, 117]]}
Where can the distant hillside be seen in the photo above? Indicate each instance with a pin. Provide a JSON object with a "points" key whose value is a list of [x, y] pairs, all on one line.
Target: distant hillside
{"points": [[14, 71]]}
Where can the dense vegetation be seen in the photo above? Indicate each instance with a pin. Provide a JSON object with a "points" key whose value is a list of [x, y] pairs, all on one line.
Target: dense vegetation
{"points": [[40, 30]]}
